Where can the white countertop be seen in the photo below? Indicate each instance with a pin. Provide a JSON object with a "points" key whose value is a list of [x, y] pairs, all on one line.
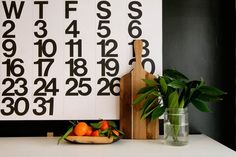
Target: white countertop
{"points": [[198, 146]]}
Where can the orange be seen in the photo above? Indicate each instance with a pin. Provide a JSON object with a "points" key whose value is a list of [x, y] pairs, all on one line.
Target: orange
{"points": [[95, 133], [115, 132], [80, 129], [104, 125], [89, 131]]}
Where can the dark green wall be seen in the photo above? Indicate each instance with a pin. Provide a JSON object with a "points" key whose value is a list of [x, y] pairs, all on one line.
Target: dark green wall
{"points": [[198, 40]]}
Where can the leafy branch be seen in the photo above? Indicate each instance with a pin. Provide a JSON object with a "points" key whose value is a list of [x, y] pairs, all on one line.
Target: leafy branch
{"points": [[175, 90]]}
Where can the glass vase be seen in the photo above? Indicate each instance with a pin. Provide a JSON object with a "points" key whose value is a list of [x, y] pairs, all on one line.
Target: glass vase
{"points": [[176, 126]]}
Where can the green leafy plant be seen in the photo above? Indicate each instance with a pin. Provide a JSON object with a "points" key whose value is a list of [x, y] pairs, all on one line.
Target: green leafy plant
{"points": [[175, 90]]}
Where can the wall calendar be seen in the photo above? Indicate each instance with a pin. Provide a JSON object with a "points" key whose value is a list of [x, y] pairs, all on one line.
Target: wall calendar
{"points": [[63, 59]]}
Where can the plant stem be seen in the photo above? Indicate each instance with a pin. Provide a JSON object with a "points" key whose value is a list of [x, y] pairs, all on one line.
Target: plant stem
{"points": [[175, 121]]}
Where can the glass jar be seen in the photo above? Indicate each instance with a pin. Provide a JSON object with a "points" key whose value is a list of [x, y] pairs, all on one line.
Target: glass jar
{"points": [[176, 127]]}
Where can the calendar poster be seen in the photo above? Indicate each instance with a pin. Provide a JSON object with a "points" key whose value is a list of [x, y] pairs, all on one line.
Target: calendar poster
{"points": [[63, 59]]}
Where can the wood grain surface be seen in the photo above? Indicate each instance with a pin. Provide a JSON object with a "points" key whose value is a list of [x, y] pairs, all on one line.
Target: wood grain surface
{"points": [[130, 115], [89, 139]]}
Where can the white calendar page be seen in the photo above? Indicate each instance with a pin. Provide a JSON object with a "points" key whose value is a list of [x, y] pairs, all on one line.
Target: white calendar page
{"points": [[62, 60]]}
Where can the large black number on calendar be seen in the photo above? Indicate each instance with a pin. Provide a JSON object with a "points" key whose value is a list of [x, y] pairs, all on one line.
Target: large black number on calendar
{"points": [[109, 64], [45, 85], [77, 83], [14, 84], [135, 31]]}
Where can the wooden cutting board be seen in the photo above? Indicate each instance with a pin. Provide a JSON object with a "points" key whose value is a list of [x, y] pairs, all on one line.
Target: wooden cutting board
{"points": [[130, 116]]}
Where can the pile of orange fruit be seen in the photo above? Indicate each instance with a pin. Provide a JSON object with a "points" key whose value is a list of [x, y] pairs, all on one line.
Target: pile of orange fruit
{"points": [[102, 128]]}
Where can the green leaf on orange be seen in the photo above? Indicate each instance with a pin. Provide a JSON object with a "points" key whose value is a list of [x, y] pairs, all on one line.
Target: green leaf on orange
{"points": [[96, 125], [65, 135]]}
